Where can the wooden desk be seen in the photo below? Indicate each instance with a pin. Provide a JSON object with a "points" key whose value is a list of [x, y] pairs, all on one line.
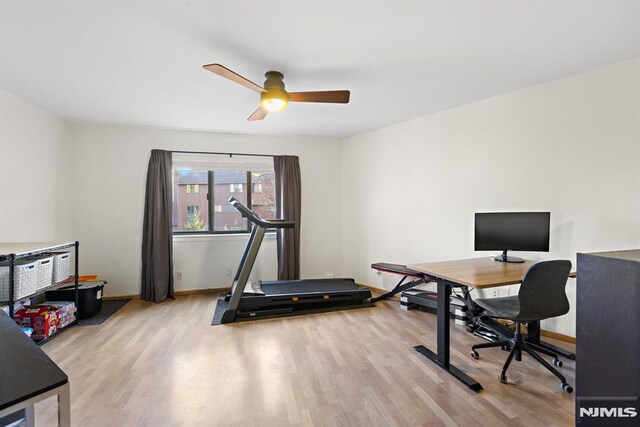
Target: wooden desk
{"points": [[28, 375], [477, 273]]}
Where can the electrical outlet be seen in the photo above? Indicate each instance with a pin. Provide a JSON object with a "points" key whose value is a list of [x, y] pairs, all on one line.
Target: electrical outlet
{"points": [[495, 293], [228, 272], [179, 275]]}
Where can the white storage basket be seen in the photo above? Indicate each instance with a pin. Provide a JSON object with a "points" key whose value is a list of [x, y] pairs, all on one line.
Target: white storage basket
{"points": [[25, 275], [45, 271], [61, 266]]}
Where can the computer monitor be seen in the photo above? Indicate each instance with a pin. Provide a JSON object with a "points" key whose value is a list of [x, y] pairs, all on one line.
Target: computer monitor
{"points": [[515, 231]]}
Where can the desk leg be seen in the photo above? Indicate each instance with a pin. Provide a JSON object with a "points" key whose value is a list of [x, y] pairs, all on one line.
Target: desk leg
{"points": [[442, 358], [444, 327], [533, 336], [64, 406]]}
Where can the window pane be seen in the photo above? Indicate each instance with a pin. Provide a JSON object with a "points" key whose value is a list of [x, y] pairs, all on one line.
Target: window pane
{"points": [[263, 197], [190, 209], [236, 188], [225, 185]]}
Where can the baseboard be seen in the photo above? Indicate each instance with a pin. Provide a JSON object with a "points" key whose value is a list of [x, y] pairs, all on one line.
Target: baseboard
{"points": [[382, 291], [373, 288], [558, 336], [111, 298], [200, 291], [555, 335], [176, 293]]}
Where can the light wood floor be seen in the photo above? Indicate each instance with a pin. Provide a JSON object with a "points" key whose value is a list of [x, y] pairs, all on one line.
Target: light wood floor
{"points": [[164, 365]]}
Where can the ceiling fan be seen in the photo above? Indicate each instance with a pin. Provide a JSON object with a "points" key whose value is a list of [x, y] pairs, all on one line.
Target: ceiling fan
{"points": [[273, 97]]}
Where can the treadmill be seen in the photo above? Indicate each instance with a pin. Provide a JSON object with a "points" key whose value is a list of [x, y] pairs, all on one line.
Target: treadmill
{"points": [[283, 297]]}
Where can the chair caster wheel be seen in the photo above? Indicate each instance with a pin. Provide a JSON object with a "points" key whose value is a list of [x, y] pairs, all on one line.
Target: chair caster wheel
{"points": [[557, 362], [502, 378], [505, 348], [470, 329], [567, 388], [475, 355]]}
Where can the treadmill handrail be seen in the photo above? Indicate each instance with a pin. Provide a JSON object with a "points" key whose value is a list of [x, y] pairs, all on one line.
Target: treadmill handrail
{"points": [[254, 218]]}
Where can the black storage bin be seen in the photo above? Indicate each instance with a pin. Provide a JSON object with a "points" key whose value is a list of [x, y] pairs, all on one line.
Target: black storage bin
{"points": [[89, 297]]}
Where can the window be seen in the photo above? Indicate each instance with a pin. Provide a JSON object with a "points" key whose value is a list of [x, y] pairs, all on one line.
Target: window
{"points": [[203, 207], [235, 188], [193, 210]]}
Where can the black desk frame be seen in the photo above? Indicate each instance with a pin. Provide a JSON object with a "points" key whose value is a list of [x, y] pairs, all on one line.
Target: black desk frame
{"points": [[442, 357]]}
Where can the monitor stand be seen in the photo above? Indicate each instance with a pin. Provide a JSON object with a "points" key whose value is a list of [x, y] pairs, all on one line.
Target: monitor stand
{"points": [[505, 258]]}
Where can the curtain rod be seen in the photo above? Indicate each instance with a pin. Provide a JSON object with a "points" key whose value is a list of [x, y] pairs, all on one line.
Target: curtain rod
{"points": [[223, 154]]}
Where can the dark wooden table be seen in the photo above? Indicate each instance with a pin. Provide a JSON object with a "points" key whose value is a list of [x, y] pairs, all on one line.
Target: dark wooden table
{"points": [[28, 375]]}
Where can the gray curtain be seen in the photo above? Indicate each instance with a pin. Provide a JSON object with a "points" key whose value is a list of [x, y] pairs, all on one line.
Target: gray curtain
{"points": [[288, 206], [157, 243]]}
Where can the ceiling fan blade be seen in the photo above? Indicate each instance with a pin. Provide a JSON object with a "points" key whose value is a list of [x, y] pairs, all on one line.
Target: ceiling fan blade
{"points": [[259, 114], [332, 96], [233, 76]]}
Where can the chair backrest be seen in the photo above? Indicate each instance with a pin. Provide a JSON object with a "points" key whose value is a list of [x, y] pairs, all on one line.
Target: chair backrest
{"points": [[542, 293]]}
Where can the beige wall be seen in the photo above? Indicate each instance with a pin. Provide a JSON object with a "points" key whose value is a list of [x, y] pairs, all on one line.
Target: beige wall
{"points": [[571, 147], [31, 148]]}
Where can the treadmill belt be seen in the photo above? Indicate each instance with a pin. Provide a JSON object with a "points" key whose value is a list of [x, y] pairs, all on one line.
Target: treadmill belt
{"points": [[310, 286]]}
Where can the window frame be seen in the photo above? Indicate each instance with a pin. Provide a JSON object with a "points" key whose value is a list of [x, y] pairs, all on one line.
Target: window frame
{"points": [[211, 208]]}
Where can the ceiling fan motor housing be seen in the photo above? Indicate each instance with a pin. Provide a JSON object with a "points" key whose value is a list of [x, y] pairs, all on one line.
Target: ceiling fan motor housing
{"points": [[273, 80], [274, 87]]}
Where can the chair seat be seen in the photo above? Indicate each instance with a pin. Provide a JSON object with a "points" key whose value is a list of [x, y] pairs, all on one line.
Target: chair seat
{"points": [[503, 307]]}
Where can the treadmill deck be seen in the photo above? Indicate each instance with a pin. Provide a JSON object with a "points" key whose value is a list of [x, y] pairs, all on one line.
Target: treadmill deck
{"points": [[310, 286]]}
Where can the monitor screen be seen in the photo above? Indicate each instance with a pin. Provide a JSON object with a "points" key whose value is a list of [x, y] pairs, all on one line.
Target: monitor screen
{"points": [[517, 231]]}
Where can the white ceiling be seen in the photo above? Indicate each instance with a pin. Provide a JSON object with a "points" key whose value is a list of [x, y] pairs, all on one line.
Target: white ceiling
{"points": [[140, 62]]}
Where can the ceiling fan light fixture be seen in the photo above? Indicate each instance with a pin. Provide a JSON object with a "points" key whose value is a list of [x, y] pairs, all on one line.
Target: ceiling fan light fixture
{"points": [[273, 96], [274, 100]]}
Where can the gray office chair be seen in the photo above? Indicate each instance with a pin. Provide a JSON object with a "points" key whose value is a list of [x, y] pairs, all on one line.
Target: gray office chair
{"points": [[541, 296]]}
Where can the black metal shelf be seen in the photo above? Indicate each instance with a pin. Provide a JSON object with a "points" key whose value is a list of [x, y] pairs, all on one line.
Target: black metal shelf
{"points": [[31, 249], [38, 251], [46, 288]]}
